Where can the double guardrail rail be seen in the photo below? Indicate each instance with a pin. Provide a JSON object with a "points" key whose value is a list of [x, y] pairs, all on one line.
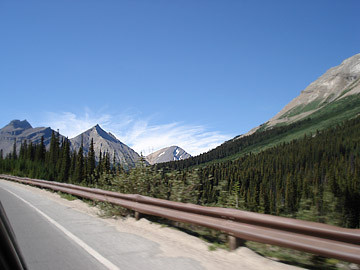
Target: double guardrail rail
{"points": [[317, 238]]}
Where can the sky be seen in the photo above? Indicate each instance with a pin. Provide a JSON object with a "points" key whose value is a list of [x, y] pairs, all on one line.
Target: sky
{"points": [[156, 73]]}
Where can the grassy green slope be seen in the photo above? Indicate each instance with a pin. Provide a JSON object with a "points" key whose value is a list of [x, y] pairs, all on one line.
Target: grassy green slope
{"points": [[318, 102], [330, 115]]}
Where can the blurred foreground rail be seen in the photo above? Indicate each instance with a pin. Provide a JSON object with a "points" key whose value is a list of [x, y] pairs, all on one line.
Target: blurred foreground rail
{"points": [[317, 238]]}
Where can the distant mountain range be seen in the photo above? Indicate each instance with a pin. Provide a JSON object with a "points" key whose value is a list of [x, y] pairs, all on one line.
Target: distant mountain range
{"points": [[19, 131], [167, 154]]}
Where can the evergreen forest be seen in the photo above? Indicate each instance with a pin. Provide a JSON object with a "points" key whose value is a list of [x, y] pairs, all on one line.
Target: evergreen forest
{"points": [[315, 177]]}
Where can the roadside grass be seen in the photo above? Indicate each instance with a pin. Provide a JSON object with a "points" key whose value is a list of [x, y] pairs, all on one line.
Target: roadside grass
{"points": [[298, 258], [108, 210], [67, 196]]}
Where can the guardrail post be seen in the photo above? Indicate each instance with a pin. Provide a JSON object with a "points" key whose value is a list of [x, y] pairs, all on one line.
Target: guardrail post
{"points": [[235, 242], [137, 215]]}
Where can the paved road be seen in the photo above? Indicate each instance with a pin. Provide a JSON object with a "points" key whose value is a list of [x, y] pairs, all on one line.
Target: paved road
{"points": [[53, 236]]}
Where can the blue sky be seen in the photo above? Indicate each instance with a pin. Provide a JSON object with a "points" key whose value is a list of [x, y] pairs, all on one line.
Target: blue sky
{"points": [[192, 73]]}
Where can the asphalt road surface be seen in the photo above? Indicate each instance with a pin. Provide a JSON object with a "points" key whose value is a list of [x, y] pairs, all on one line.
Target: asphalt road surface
{"points": [[54, 236]]}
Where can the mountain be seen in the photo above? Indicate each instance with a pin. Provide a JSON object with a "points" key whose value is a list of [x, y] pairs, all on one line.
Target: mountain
{"points": [[105, 142], [167, 154], [327, 102], [334, 85], [20, 131]]}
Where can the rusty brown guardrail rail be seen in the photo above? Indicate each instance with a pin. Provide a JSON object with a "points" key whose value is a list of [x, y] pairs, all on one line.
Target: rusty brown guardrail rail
{"points": [[316, 238]]}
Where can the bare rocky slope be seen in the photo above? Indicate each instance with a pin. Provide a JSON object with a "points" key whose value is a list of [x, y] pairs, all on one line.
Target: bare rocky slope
{"points": [[337, 83], [171, 153], [105, 142], [20, 131]]}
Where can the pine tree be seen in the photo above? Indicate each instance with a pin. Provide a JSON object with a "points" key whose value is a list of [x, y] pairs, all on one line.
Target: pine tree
{"points": [[290, 195], [79, 166], [99, 167], [91, 163], [54, 150], [72, 166], [233, 198], [113, 168], [14, 154], [40, 150], [30, 152], [107, 165], [65, 162], [23, 149]]}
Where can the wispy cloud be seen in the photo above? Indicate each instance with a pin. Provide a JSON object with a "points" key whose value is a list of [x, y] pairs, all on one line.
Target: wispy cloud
{"points": [[140, 134], [71, 125]]}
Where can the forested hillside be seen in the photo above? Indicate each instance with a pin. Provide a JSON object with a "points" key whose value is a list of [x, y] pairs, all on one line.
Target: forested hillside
{"points": [[316, 177], [330, 115]]}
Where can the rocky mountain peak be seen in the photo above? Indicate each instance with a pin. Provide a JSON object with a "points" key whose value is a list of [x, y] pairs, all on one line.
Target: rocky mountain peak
{"points": [[336, 83], [98, 131], [16, 127], [19, 131], [167, 154], [352, 64], [105, 142], [17, 124]]}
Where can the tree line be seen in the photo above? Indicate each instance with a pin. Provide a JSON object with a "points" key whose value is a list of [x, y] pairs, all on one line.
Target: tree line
{"points": [[58, 163], [314, 178], [234, 146]]}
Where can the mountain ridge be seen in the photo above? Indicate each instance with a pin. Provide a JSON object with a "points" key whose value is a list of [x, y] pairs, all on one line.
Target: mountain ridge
{"points": [[19, 131], [336, 83]]}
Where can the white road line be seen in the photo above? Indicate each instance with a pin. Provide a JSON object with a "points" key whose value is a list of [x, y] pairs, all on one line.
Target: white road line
{"points": [[91, 251]]}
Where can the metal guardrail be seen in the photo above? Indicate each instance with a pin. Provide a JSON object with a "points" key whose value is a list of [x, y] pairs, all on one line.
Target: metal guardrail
{"points": [[321, 239]]}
